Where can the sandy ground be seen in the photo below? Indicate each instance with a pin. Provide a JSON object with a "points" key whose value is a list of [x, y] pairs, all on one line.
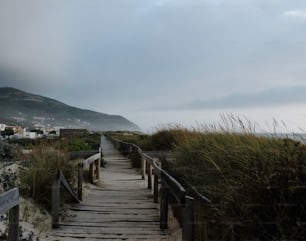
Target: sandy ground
{"points": [[35, 222]]}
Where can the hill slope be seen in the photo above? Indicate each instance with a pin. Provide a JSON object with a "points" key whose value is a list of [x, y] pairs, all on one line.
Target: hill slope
{"points": [[27, 109]]}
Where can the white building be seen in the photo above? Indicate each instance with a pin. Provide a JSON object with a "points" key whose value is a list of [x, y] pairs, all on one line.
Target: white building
{"points": [[29, 134], [2, 127]]}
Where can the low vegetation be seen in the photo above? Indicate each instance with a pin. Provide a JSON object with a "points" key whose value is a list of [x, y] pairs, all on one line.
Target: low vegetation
{"points": [[163, 140], [39, 170], [141, 140], [39, 165], [256, 183], [8, 152], [76, 143], [34, 171]]}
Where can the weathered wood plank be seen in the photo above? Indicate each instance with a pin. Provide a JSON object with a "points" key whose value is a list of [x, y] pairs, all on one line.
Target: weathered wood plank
{"points": [[9, 200], [151, 225], [109, 230], [111, 237], [124, 236], [99, 223], [118, 205], [119, 211], [109, 219]]}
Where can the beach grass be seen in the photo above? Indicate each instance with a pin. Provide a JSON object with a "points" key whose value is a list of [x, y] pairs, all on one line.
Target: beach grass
{"points": [[256, 183]]}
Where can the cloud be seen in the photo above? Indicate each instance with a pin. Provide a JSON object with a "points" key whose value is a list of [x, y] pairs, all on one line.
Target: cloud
{"points": [[267, 98], [35, 44], [185, 48], [296, 14]]}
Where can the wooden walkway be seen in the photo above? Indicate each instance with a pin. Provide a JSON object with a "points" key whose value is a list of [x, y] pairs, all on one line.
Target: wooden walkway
{"points": [[120, 207]]}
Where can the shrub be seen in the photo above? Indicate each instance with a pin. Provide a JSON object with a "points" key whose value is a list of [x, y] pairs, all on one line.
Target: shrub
{"points": [[8, 180], [8, 152], [81, 143], [164, 139], [39, 171], [168, 138], [141, 140], [7, 132]]}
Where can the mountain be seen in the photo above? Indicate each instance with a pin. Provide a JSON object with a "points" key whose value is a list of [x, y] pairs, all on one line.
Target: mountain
{"points": [[26, 109]]}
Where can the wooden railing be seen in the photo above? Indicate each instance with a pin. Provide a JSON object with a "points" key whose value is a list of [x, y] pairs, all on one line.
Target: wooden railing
{"points": [[93, 163], [81, 154], [9, 201], [164, 185]]}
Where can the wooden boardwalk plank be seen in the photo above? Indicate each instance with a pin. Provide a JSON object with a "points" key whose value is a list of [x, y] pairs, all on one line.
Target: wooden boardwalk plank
{"points": [[120, 207]]}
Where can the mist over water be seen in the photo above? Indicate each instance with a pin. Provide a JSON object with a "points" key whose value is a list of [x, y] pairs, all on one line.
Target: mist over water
{"points": [[266, 120]]}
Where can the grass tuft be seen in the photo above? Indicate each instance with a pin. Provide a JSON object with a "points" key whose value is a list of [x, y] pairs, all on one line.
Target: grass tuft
{"points": [[40, 168]]}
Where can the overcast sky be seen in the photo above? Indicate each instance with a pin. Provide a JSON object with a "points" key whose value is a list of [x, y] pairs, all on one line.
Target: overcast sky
{"points": [[161, 61]]}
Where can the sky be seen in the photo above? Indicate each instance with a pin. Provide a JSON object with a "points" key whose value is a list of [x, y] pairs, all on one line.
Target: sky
{"points": [[161, 61]]}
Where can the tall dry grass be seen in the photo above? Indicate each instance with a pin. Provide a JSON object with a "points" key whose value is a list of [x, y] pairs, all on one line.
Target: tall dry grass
{"points": [[257, 183], [40, 168]]}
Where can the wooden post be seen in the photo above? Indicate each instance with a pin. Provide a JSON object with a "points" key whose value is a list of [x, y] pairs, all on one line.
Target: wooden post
{"points": [[164, 198], [13, 233], [55, 202], [9, 201], [97, 162], [91, 173], [143, 168], [80, 181], [155, 189], [149, 176], [188, 225]]}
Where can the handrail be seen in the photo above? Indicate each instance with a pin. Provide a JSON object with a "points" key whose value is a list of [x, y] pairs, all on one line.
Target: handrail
{"points": [[94, 163], [91, 159], [9, 201], [177, 190], [169, 184]]}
